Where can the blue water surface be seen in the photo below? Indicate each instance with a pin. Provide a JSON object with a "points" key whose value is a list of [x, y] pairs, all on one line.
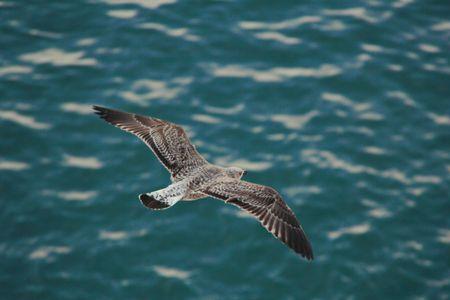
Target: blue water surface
{"points": [[343, 107]]}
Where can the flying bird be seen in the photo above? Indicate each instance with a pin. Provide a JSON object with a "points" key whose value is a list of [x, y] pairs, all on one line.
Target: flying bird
{"points": [[194, 178]]}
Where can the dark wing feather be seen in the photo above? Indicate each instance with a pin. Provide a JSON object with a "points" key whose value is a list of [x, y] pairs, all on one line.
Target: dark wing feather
{"points": [[168, 141], [268, 207]]}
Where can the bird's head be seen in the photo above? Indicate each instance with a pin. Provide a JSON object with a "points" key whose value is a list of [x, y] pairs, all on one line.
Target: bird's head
{"points": [[235, 172]]}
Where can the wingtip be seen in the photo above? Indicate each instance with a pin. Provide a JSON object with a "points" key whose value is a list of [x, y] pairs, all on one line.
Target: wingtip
{"points": [[305, 250], [98, 109], [101, 111], [309, 255]]}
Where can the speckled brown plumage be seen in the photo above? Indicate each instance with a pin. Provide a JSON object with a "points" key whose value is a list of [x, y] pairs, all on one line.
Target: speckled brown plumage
{"points": [[194, 178]]}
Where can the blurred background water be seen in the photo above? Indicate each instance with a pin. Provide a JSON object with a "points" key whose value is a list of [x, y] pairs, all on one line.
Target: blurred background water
{"points": [[343, 107]]}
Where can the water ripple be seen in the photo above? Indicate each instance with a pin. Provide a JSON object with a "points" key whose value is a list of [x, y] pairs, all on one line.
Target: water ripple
{"points": [[58, 57], [150, 4], [287, 24], [29, 122], [144, 90], [177, 32], [82, 162], [122, 13], [10, 165], [274, 74]]}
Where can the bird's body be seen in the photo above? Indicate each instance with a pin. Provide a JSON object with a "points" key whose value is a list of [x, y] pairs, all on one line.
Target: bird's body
{"points": [[188, 188], [194, 178]]}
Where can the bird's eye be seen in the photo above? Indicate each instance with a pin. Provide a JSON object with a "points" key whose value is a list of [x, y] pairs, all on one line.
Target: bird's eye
{"points": [[244, 173]]}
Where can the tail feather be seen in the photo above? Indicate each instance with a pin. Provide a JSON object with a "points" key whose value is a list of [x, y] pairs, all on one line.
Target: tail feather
{"points": [[165, 197], [150, 202]]}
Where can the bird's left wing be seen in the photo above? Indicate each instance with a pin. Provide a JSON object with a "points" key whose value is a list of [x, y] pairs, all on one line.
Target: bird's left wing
{"points": [[168, 141], [268, 207]]}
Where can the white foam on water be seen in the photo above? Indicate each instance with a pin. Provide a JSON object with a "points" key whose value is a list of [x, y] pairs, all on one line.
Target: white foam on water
{"points": [[15, 69], [276, 137], [341, 113], [442, 26], [150, 4], [108, 50], [427, 179], [6, 4], [48, 252], [120, 235], [113, 235], [277, 37], [171, 272], [311, 138], [257, 129], [294, 122], [444, 236], [439, 284], [393, 174], [361, 59], [415, 245], [174, 32], [374, 150], [333, 25], [225, 111], [206, 119], [402, 3], [295, 191], [403, 97], [344, 101], [144, 90], [70, 195], [359, 13], [416, 191], [287, 24], [337, 98], [86, 42], [327, 160], [29, 122], [22, 106], [368, 202], [412, 55], [46, 34], [78, 108], [243, 214], [10, 165], [370, 116], [77, 195], [395, 67], [439, 119], [436, 68], [82, 162], [274, 74], [58, 57], [359, 62], [379, 213], [429, 48], [351, 230], [372, 48], [122, 13]]}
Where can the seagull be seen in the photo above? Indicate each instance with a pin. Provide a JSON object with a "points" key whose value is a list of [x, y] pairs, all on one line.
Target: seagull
{"points": [[193, 178]]}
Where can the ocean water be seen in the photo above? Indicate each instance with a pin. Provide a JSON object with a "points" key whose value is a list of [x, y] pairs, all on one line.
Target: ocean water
{"points": [[343, 107]]}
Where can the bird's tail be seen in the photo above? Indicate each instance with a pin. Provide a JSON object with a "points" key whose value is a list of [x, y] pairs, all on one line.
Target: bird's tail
{"points": [[164, 198]]}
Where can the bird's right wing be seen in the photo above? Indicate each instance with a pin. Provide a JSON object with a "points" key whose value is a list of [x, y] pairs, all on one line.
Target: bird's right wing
{"points": [[168, 141], [268, 207]]}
